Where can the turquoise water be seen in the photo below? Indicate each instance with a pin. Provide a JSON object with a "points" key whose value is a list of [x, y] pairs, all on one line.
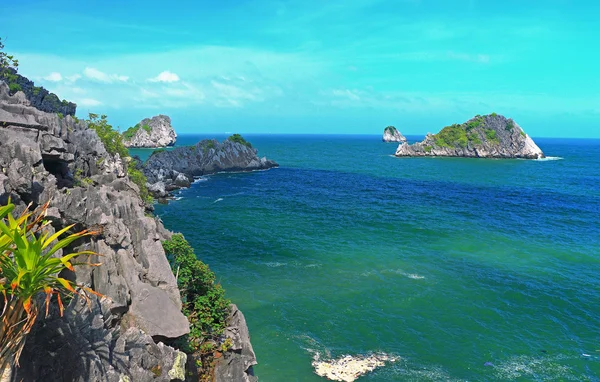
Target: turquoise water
{"points": [[446, 263]]}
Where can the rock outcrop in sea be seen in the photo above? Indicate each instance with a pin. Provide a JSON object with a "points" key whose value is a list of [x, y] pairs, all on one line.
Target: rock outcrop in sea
{"points": [[391, 134], [151, 133], [169, 170], [488, 136], [123, 336]]}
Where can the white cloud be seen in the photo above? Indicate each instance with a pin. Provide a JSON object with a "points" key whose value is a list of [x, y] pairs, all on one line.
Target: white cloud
{"points": [[346, 93], [95, 74], [88, 102], [54, 77], [73, 78], [165, 76]]}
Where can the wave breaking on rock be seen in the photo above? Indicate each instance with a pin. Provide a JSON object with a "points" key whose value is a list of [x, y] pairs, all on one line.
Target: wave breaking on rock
{"points": [[349, 368]]}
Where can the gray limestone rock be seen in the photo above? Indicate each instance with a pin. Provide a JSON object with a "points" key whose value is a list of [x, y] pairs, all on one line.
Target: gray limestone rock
{"points": [[176, 167], [45, 157], [151, 132], [236, 364], [391, 134], [490, 136]]}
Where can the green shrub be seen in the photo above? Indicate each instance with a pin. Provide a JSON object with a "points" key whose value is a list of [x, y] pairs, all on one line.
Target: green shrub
{"points": [[60, 115], [452, 136], [237, 138], [510, 125], [130, 133], [427, 149], [203, 300], [138, 177], [147, 128], [112, 140], [494, 115], [14, 87], [474, 138], [491, 136]]}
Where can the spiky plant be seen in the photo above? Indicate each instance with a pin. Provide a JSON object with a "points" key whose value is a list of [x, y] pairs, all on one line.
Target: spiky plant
{"points": [[29, 266]]}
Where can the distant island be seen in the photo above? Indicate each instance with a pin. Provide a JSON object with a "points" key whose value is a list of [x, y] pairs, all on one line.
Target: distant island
{"points": [[152, 132], [170, 170], [487, 136], [391, 134]]}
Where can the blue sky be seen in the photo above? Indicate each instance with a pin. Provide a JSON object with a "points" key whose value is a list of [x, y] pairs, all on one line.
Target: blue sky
{"points": [[316, 66]]}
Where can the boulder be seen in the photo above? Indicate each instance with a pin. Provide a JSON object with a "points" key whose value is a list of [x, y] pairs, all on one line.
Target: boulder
{"points": [[391, 134]]}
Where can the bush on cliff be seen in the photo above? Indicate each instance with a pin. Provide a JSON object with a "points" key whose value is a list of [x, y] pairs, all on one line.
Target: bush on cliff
{"points": [[237, 138], [204, 302], [29, 267], [113, 143]]}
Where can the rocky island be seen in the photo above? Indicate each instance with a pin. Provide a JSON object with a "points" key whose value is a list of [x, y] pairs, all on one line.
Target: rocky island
{"points": [[488, 136], [169, 170], [391, 134], [152, 132]]}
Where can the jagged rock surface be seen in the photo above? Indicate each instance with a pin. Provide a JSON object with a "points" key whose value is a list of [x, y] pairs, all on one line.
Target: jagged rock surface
{"points": [[237, 363], [152, 133], [391, 134], [490, 136], [39, 97], [45, 157], [169, 170]]}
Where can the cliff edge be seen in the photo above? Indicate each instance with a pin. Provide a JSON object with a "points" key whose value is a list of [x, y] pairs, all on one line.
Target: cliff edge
{"points": [[488, 136], [151, 133]]}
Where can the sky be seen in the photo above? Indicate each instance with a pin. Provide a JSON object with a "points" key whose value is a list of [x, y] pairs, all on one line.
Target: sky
{"points": [[316, 66]]}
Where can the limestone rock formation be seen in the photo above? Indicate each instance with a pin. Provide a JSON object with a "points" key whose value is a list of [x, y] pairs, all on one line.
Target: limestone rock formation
{"points": [[45, 157], [236, 364], [37, 96], [489, 136], [151, 132], [170, 170], [391, 134]]}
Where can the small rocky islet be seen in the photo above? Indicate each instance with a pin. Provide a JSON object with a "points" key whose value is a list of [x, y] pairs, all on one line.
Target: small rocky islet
{"points": [[391, 134], [155, 132], [487, 136]]}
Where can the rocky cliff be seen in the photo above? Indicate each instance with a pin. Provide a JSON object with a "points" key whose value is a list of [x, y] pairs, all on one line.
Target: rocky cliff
{"points": [[169, 170], [391, 134], [489, 136], [120, 337], [151, 132], [37, 96]]}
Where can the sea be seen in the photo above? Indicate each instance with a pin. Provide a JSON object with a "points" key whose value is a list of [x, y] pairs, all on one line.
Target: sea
{"points": [[461, 269]]}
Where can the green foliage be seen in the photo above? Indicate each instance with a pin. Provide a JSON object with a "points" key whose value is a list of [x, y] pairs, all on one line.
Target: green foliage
{"points": [[130, 133], [112, 140], [523, 133], [452, 136], [204, 301], [474, 138], [491, 136], [474, 123], [29, 267], [237, 138], [510, 125], [493, 115], [147, 128], [6, 60], [427, 149], [138, 177], [14, 87], [60, 115], [160, 150]]}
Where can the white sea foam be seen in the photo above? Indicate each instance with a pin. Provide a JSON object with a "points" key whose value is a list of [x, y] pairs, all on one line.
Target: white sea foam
{"points": [[275, 264], [538, 367], [546, 159], [349, 368], [178, 198], [413, 276], [200, 179], [218, 200]]}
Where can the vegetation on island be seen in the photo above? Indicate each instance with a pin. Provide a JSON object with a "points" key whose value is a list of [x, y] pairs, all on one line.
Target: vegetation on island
{"points": [[29, 267], [237, 138], [8, 62], [203, 303], [390, 130], [130, 132], [470, 132]]}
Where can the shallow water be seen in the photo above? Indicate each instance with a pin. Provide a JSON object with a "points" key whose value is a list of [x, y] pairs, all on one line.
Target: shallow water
{"points": [[465, 269]]}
